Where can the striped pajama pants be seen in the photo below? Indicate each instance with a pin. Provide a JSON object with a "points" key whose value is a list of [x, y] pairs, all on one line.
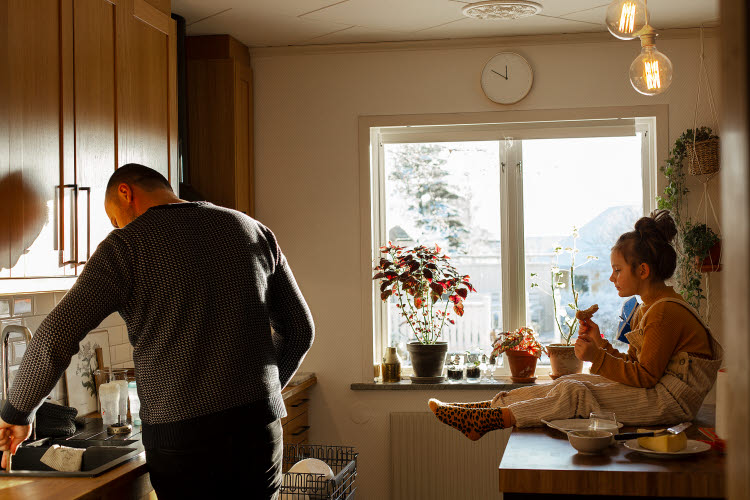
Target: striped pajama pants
{"points": [[575, 396]]}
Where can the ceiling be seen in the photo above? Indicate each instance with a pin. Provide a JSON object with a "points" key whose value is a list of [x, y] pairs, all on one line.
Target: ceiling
{"points": [[275, 23]]}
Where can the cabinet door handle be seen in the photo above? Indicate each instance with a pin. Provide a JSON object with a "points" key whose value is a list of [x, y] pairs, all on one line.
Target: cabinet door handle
{"points": [[300, 403], [62, 232], [301, 430], [88, 225]]}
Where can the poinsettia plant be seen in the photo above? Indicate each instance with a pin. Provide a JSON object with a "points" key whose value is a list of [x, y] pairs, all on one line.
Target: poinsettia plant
{"points": [[524, 339], [425, 284]]}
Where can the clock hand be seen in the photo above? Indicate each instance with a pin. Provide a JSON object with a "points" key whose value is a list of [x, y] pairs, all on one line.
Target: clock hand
{"points": [[506, 71]]}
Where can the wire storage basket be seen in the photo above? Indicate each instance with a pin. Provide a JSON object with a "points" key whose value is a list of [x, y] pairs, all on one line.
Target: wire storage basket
{"points": [[307, 486]]}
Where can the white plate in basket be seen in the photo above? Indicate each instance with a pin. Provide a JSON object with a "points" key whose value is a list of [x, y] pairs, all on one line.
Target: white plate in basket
{"points": [[692, 448], [572, 424]]}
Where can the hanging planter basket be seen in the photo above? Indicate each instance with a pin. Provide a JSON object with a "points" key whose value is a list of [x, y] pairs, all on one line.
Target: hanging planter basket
{"points": [[712, 262], [703, 157]]}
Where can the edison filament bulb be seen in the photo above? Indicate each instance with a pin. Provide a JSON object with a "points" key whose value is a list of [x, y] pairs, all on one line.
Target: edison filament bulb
{"points": [[651, 71], [625, 18]]}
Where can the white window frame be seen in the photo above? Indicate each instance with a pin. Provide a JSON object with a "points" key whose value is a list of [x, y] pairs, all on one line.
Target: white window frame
{"points": [[375, 131]]}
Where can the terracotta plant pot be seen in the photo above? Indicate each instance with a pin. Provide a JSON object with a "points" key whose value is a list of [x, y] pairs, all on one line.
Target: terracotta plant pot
{"points": [[522, 365], [563, 361], [427, 360], [712, 263]]}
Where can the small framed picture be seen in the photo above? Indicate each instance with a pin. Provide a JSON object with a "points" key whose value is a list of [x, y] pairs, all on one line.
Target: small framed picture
{"points": [[79, 375]]}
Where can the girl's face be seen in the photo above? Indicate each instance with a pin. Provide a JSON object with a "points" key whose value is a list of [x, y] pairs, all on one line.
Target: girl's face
{"points": [[625, 281]]}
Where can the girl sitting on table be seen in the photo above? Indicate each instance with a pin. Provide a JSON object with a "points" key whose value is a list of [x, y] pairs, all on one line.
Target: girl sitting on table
{"points": [[662, 380]]}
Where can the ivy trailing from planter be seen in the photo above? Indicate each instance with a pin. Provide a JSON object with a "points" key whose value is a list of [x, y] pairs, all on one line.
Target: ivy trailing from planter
{"points": [[690, 240]]}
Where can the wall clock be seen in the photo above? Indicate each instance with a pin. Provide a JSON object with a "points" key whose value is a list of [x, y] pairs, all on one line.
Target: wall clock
{"points": [[507, 78]]}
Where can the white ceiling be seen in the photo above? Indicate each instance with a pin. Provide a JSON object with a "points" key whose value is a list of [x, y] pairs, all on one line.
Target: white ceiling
{"points": [[272, 23]]}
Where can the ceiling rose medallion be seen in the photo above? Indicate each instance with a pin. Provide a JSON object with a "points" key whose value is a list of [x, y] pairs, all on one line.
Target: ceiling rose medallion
{"points": [[504, 10]]}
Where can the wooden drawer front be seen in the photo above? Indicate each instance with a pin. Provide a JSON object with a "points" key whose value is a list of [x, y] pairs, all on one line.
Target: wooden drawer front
{"points": [[296, 406], [295, 431]]}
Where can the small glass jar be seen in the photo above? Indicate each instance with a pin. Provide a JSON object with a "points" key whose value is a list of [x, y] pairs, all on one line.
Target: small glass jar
{"points": [[455, 370], [489, 370], [473, 370]]}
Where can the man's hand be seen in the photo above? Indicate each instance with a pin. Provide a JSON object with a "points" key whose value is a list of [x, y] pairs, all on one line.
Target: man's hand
{"points": [[11, 437], [585, 349], [589, 330]]}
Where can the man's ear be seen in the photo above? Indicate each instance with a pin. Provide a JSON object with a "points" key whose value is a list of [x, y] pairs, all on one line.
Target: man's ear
{"points": [[125, 193]]}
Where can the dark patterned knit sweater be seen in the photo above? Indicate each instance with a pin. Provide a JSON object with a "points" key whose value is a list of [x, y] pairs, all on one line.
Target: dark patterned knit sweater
{"points": [[199, 288]]}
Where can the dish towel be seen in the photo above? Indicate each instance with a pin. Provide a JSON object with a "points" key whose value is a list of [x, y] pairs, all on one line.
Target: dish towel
{"points": [[63, 458]]}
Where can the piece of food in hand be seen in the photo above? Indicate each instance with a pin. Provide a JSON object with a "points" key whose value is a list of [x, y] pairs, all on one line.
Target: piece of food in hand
{"points": [[667, 443], [587, 313]]}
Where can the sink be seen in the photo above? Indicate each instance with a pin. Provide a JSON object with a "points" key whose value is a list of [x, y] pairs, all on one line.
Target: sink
{"points": [[99, 457]]}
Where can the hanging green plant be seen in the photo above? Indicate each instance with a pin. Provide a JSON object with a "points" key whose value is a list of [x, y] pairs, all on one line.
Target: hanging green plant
{"points": [[688, 278]]}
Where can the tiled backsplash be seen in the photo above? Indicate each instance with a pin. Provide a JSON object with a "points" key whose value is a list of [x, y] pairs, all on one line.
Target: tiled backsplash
{"points": [[30, 310]]}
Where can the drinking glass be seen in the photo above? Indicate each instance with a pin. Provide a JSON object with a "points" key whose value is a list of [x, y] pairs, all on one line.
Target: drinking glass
{"points": [[603, 421], [109, 398], [119, 376]]}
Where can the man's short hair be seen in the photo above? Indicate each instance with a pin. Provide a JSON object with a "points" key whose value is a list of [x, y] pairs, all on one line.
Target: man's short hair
{"points": [[139, 175]]}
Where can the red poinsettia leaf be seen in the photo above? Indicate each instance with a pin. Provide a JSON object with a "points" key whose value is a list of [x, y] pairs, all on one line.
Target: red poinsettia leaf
{"points": [[418, 302], [436, 288], [384, 285], [437, 248], [378, 276], [427, 274], [459, 309], [463, 292], [455, 299], [385, 294], [452, 322]]}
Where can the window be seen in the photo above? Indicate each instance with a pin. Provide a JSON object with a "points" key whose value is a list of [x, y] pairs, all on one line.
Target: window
{"points": [[503, 201]]}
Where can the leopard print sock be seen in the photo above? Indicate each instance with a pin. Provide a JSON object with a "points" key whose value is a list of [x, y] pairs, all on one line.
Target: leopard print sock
{"points": [[472, 422], [475, 404]]}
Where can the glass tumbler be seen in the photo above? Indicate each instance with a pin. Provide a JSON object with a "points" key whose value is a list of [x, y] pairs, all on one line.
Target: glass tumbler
{"points": [[109, 400], [603, 421]]}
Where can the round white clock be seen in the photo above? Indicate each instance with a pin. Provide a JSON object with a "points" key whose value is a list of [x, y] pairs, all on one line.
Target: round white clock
{"points": [[507, 78]]}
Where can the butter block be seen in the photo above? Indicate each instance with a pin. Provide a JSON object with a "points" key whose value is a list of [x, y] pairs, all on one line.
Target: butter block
{"points": [[667, 443]]}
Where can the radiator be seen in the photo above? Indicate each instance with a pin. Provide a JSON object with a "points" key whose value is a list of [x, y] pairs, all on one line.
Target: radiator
{"points": [[432, 461]]}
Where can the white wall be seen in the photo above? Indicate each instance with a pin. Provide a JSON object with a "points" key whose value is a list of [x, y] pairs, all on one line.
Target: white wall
{"points": [[307, 183]]}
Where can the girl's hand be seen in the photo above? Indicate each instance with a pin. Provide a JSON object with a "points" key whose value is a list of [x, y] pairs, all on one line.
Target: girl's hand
{"points": [[589, 330], [585, 350]]}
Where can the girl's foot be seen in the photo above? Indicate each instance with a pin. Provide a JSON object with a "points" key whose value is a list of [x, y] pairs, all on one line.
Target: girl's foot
{"points": [[472, 422], [475, 404]]}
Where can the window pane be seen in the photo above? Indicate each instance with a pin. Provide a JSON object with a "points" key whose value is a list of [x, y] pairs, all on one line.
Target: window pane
{"points": [[449, 194], [594, 185]]}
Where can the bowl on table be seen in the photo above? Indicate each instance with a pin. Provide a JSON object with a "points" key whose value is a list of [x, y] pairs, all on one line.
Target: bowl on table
{"points": [[590, 442]]}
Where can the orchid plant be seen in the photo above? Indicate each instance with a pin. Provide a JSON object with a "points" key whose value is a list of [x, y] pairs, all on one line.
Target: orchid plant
{"points": [[558, 281], [524, 340], [422, 279]]}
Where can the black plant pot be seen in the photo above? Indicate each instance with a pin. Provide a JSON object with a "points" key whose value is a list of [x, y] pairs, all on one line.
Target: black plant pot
{"points": [[427, 359]]}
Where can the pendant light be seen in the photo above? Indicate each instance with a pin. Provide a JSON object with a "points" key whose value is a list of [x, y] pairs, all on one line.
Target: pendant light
{"points": [[625, 18], [651, 71]]}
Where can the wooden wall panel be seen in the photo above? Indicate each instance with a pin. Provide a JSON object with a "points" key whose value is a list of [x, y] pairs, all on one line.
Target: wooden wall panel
{"points": [[735, 197], [4, 142]]}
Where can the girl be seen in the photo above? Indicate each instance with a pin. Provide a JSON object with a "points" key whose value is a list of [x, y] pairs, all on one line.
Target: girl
{"points": [[662, 380]]}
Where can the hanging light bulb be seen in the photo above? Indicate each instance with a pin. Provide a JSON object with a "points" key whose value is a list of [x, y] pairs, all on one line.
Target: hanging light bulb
{"points": [[625, 18], [651, 71]]}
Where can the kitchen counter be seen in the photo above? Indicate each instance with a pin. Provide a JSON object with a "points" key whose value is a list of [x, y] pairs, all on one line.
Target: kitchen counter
{"points": [[129, 480], [539, 463]]}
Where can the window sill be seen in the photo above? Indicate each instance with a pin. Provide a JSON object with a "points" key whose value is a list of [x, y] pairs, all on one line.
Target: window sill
{"points": [[499, 384]]}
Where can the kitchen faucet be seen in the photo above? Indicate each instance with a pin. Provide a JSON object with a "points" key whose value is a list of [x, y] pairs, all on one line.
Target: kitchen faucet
{"points": [[5, 337]]}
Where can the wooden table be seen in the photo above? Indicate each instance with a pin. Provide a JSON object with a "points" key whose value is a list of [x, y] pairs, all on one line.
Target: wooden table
{"points": [[540, 462]]}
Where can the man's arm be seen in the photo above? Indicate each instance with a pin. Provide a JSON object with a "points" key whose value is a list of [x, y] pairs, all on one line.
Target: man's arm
{"points": [[291, 320], [98, 292]]}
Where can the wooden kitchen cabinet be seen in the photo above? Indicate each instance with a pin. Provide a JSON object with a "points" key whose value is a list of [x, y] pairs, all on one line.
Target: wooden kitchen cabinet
{"points": [[85, 86], [220, 114], [296, 425]]}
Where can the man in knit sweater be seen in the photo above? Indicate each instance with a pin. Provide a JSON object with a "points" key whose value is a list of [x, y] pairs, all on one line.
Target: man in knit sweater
{"points": [[200, 288]]}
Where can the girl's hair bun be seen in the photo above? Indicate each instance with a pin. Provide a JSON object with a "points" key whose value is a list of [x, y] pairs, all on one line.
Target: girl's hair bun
{"points": [[659, 224]]}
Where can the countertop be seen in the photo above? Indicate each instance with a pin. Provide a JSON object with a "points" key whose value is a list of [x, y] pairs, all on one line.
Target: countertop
{"points": [[129, 480], [541, 461]]}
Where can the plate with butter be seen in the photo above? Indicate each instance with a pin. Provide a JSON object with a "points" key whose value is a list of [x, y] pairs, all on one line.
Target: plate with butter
{"points": [[692, 447]]}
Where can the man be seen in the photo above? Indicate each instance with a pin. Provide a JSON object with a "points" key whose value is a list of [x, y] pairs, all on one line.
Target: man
{"points": [[199, 287]]}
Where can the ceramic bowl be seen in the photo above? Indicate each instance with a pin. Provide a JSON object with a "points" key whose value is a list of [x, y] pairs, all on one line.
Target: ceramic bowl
{"points": [[590, 442]]}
